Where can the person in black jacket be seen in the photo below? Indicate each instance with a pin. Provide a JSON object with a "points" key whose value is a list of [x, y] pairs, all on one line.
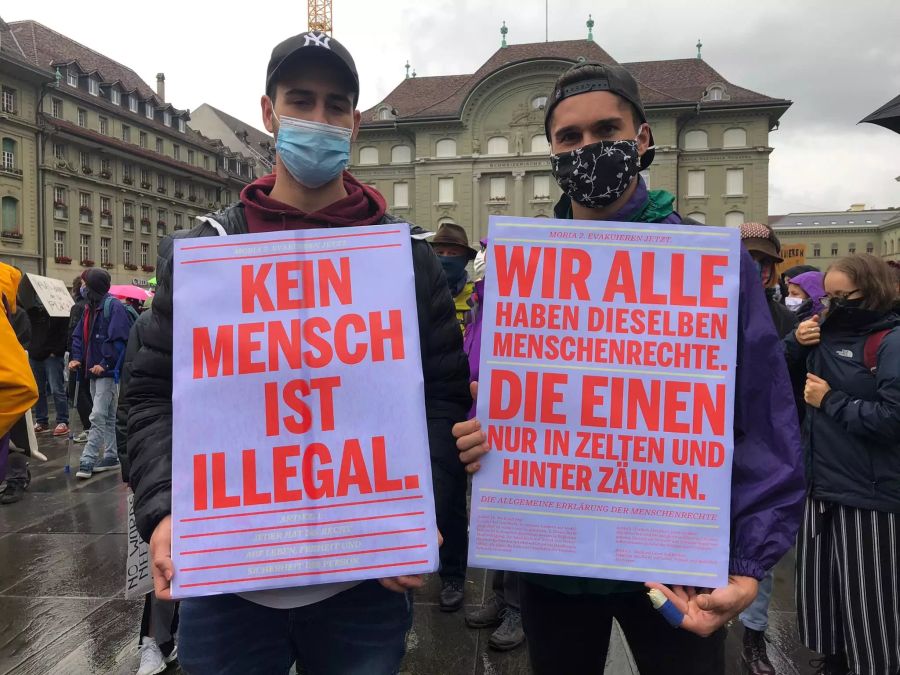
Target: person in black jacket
{"points": [[85, 403], [848, 560], [159, 621], [47, 355], [339, 628]]}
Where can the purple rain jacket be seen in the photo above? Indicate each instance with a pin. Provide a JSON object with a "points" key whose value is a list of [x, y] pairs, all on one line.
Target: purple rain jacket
{"points": [[767, 481]]}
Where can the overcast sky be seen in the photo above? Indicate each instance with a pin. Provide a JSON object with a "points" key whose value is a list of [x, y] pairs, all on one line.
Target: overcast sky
{"points": [[836, 64]]}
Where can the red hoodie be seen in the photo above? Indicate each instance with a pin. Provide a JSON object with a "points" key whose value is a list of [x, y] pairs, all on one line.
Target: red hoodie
{"points": [[363, 205]]}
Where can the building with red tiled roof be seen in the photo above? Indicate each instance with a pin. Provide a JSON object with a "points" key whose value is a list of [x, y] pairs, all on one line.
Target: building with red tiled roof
{"points": [[98, 165], [458, 148]]}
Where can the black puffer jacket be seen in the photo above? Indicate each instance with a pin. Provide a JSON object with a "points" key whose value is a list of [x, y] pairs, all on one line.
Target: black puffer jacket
{"points": [[149, 395], [135, 340], [852, 442]]}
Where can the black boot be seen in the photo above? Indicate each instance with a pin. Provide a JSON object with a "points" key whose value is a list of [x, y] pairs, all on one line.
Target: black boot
{"points": [[451, 595], [753, 654], [833, 664]]}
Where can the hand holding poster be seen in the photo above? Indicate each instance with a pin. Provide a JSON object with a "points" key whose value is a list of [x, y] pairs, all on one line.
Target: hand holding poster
{"points": [[52, 293], [607, 388], [300, 448]]}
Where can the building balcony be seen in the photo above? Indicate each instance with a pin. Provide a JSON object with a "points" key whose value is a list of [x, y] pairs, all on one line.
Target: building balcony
{"points": [[11, 236], [10, 171]]}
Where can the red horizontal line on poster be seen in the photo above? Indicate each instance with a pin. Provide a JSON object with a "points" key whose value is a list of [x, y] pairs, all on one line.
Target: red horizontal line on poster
{"points": [[295, 253], [295, 525], [301, 508], [282, 241], [306, 574], [342, 554], [296, 542]]}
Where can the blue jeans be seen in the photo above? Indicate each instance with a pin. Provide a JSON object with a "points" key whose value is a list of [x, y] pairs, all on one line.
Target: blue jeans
{"points": [[361, 631], [102, 435], [50, 369], [756, 616]]}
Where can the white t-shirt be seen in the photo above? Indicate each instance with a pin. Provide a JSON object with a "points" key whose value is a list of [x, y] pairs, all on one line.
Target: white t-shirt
{"points": [[289, 598]]}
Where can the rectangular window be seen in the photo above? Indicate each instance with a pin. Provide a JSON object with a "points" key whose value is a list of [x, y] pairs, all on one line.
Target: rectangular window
{"points": [[445, 190], [85, 160], [160, 146], [105, 212], [127, 172], [542, 187], [9, 155], [870, 247], [145, 253], [84, 247], [834, 249], [105, 168], [104, 126], [9, 100], [696, 183], [167, 118], [206, 162], [498, 189], [178, 221], [176, 151], [145, 178], [401, 194], [59, 150], [59, 243], [851, 249], [149, 111], [817, 250], [84, 199], [115, 96], [160, 216], [734, 182], [93, 87], [82, 117], [142, 138], [85, 212], [126, 133], [56, 108], [59, 195], [161, 183], [132, 103], [126, 252], [128, 210], [104, 250], [71, 77], [191, 157], [210, 195], [181, 124]]}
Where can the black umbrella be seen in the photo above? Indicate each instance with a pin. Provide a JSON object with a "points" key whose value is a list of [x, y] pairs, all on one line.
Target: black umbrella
{"points": [[887, 116]]}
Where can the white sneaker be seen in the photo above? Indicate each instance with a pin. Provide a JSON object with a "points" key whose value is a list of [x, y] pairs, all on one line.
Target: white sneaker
{"points": [[152, 660]]}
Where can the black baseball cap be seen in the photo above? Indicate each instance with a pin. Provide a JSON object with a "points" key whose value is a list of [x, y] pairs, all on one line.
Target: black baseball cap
{"points": [[599, 77], [309, 43]]}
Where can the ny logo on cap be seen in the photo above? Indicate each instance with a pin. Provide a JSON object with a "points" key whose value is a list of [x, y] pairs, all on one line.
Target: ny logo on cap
{"points": [[317, 39]]}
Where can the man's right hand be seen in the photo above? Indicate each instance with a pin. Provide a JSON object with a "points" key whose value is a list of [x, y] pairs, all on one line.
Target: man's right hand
{"points": [[74, 365], [471, 441], [161, 559]]}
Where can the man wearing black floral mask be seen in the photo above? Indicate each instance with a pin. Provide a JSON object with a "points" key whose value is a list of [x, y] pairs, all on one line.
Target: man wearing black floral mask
{"points": [[600, 141]]}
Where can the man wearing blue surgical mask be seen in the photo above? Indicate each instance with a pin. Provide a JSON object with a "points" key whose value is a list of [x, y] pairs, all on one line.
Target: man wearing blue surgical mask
{"points": [[311, 92]]}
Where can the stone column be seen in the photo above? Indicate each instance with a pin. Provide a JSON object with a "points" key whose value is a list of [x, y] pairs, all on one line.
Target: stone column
{"points": [[518, 193], [477, 226]]}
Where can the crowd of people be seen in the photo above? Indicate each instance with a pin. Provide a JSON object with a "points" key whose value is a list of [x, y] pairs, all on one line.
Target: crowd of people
{"points": [[817, 350]]}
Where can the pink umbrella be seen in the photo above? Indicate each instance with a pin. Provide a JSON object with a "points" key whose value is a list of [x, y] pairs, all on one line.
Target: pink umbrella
{"points": [[128, 291]]}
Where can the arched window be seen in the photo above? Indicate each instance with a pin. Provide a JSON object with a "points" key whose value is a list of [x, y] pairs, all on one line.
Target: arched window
{"points": [[10, 210], [734, 218], [385, 114], [699, 217], [735, 138], [696, 140], [445, 147], [9, 154], [400, 154], [498, 145], [539, 144], [368, 155]]}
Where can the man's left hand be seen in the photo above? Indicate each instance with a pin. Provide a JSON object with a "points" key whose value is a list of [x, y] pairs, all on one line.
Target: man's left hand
{"points": [[706, 612], [815, 390], [98, 370]]}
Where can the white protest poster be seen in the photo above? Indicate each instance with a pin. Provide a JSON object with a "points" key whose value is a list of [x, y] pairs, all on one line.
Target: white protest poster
{"points": [[52, 293], [138, 580]]}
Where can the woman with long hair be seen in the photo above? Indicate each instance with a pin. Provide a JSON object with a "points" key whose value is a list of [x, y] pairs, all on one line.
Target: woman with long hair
{"points": [[848, 552]]}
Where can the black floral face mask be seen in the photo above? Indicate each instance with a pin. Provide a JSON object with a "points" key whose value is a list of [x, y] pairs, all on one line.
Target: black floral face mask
{"points": [[598, 174]]}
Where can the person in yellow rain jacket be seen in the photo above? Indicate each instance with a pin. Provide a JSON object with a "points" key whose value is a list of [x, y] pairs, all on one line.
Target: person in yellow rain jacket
{"points": [[18, 390]]}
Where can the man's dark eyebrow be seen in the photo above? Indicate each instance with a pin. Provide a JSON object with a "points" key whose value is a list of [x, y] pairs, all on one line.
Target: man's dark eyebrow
{"points": [[597, 123], [342, 98]]}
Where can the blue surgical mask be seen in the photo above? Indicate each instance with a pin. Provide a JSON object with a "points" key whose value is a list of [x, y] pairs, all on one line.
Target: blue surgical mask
{"points": [[313, 153], [83, 291]]}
